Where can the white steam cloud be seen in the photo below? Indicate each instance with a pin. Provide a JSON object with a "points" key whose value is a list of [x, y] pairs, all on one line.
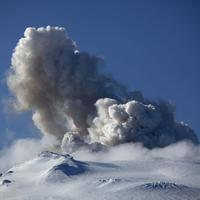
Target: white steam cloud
{"points": [[71, 100], [24, 149]]}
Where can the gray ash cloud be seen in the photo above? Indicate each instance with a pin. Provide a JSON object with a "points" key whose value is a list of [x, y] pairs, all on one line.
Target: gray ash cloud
{"points": [[68, 95]]}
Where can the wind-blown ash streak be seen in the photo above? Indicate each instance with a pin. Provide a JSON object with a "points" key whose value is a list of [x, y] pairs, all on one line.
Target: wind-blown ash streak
{"points": [[66, 93]]}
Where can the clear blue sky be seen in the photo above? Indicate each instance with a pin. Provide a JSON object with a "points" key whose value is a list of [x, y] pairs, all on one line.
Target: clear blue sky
{"points": [[152, 46]]}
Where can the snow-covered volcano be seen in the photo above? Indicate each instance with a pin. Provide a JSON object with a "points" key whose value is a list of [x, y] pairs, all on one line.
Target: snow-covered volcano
{"points": [[124, 145], [55, 176]]}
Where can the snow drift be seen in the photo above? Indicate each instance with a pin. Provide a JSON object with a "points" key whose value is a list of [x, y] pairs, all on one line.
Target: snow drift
{"points": [[70, 98], [56, 176]]}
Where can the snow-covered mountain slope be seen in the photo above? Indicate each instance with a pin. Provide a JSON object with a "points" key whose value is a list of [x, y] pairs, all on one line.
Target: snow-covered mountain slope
{"points": [[53, 176]]}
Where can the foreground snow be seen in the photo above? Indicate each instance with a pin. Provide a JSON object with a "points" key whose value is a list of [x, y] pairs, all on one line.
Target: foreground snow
{"points": [[54, 176]]}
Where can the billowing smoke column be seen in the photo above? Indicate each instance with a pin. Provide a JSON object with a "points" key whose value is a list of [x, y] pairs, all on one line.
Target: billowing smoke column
{"points": [[73, 101], [59, 84]]}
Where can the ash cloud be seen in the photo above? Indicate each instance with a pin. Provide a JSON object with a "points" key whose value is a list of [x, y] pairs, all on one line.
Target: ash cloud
{"points": [[149, 123], [57, 82], [71, 100]]}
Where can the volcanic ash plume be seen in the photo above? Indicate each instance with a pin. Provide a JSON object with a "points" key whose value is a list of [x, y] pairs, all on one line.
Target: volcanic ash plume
{"points": [[69, 96], [151, 124], [59, 84]]}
